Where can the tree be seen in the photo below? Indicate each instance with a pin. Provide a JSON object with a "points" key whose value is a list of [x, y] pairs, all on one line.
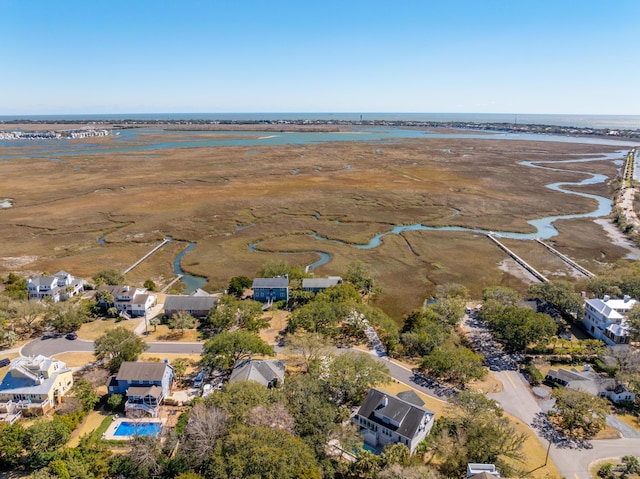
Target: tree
{"points": [[308, 346], [360, 277], [182, 320], [454, 363], [475, 430], [144, 452], [154, 322], [225, 349], [206, 425], [114, 402], [30, 314], [516, 328], [318, 316], [83, 390], [108, 276], [276, 268], [254, 452], [631, 465], [233, 312], [396, 454], [503, 295], [12, 438], [274, 416], [559, 293], [351, 375], [43, 438], [119, 345], [238, 284], [67, 317], [179, 367], [16, 287], [633, 322], [579, 412], [150, 285]]}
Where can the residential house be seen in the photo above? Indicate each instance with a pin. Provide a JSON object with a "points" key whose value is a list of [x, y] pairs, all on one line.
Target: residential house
{"points": [[144, 384], [315, 285], [133, 302], [605, 319], [268, 372], [588, 381], [387, 419], [269, 290], [196, 306], [58, 287], [34, 386], [482, 471]]}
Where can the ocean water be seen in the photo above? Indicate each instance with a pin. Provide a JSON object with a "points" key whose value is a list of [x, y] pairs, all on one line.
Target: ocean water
{"points": [[623, 122]]}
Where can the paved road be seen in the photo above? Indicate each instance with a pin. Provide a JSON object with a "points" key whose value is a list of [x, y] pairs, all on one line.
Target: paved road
{"points": [[516, 398], [571, 459]]}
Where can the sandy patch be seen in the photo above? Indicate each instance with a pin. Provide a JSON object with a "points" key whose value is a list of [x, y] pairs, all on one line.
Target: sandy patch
{"points": [[11, 262]]}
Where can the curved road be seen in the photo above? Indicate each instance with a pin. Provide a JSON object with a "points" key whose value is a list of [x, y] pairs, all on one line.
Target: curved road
{"points": [[516, 399]]}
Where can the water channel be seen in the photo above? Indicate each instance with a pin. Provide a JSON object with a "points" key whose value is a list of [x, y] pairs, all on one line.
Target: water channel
{"points": [[544, 229]]}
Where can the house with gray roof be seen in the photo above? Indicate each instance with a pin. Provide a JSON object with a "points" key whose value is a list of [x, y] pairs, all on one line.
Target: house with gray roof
{"points": [[590, 382], [315, 285], [196, 306], [145, 385], [269, 290], [268, 372], [387, 419], [56, 288]]}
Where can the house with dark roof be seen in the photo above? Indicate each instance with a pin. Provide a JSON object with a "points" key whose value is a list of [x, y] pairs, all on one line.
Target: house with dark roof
{"points": [[144, 384], [591, 382], [196, 306], [269, 290], [33, 386], [315, 285], [268, 372], [129, 300], [57, 287], [387, 419]]}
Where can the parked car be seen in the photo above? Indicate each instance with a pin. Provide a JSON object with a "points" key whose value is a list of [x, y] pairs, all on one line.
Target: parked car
{"points": [[4, 362], [71, 336], [197, 382]]}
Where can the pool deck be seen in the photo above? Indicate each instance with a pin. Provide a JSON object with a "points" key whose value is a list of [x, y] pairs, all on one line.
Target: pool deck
{"points": [[110, 432]]}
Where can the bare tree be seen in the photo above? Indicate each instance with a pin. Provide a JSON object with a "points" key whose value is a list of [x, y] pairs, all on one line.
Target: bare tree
{"points": [[144, 452], [309, 346], [275, 416], [206, 424]]}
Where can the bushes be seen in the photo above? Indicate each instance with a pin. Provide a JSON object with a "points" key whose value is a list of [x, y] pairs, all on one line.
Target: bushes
{"points": [[533, 373]]}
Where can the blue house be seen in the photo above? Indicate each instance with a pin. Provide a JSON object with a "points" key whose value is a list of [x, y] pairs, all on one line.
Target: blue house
{"points": [[268, 290], [144, 384]]}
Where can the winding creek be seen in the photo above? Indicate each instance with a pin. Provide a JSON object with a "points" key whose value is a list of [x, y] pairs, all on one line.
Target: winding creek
{"points": [[544, 228]]}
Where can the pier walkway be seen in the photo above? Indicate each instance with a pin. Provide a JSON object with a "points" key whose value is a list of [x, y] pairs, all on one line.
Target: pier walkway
{"points": [[164, 242], [567, 260], [519, 260]]}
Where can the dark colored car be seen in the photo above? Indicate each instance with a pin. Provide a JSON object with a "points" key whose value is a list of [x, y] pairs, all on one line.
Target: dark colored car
{"points": [[4, 362], [71, 336]]}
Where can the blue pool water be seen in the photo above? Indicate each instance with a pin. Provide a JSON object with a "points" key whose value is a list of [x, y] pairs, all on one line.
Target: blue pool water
{"points": [[138, 429]]}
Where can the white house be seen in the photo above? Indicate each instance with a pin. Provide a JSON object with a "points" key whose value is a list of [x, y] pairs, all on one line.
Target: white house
{"points": [[57, 287], [605, 319], [129, 300], [387, 419]]}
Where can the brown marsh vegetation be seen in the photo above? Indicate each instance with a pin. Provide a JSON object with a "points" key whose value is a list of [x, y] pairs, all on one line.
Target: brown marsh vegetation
{"points": [[226, 198]]}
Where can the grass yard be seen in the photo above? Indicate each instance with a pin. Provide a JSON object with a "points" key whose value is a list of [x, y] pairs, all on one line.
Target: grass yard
{"points": [[78, 359], [90, 424], [163, 333], [93, 330]]}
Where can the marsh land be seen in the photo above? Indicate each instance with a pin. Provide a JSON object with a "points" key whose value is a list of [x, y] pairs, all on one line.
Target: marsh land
{"points": [[292, 201]]}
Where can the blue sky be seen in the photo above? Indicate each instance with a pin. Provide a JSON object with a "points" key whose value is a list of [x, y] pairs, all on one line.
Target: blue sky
{"points": [[515, 56]]}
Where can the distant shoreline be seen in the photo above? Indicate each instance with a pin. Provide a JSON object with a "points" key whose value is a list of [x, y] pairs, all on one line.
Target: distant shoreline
{"points": [[318, 126]]}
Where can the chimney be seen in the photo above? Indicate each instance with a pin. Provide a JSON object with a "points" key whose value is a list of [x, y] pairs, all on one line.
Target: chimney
{"points": [[626, 298], [606, 298], [385, 401]]}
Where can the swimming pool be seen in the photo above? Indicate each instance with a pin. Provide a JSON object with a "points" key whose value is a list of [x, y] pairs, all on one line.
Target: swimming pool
{"points": [[138, 429]]}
